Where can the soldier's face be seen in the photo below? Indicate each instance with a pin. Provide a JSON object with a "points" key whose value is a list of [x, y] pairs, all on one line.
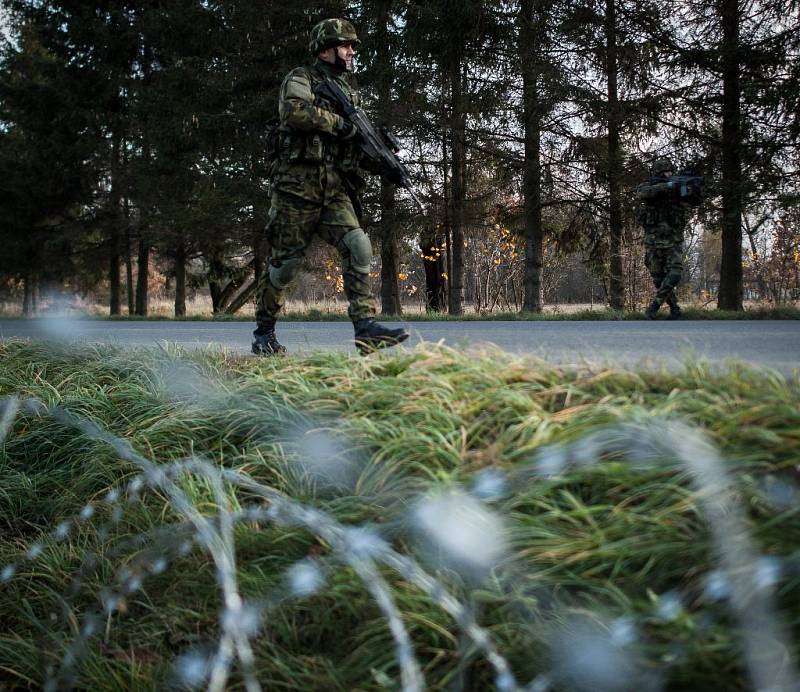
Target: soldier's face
{"points": [[346, 52], [666, 174]]}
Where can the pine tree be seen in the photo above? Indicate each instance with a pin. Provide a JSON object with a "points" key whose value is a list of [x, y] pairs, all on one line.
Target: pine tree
{"points": [[611, 60], [48, 137], [540, 94], [379, 57], [735, 66]]}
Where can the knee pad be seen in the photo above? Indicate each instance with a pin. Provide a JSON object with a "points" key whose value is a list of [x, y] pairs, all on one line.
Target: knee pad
{"points": [[282, 272], [357, 248]]}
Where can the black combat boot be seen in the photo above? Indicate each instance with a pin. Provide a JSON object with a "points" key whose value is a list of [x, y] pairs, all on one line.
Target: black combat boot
{"points": [[652, 310], [675, 311], [264, 341], [372, 335]]}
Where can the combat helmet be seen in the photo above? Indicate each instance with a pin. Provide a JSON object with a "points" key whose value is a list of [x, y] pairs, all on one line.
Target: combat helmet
{"points": [[662, 165], [330, 33]]}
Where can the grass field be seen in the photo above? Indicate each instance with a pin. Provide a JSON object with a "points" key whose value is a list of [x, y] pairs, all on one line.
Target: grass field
{"points": [[573, 518]]}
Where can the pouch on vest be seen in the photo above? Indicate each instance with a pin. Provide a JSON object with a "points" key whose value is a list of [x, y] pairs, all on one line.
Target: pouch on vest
{"points": [[291, 147], [314, 148]]}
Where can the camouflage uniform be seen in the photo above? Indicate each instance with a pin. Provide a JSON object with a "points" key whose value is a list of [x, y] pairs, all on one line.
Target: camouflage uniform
{"points": [[315, 182], [664, 219]]}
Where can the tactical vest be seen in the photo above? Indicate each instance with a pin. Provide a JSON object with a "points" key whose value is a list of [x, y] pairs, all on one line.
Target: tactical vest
{"points": [[662, 216], [663, 212], [318, 147]]}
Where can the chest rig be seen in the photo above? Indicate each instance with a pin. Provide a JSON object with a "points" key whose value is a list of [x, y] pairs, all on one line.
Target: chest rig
{"points": [[666, 212], [316, 147]]}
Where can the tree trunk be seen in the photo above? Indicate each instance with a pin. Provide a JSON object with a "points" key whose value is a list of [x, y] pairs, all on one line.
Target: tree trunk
{"points": [[224, 282], [129, 278], [730, 273], [448, 255], [616, 283], [457, 197], [214, 292], [216, 272], [528, 32], [115, 231], [114, 275], [142, 276], [128, 262], [29, 292], [433, 262], [180, 280], [244, 295], [390, 290]]}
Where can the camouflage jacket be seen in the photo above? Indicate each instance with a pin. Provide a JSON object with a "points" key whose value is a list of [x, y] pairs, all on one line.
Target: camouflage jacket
{"points": [[308, 124], [661, 214]]}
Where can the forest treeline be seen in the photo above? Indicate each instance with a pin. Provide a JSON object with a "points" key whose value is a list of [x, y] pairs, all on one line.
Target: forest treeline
{"points": [[133, 134]]}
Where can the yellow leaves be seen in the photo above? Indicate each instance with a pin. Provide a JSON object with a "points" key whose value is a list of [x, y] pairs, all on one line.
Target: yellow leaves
{"points": [[402, 276], [444, 275]]}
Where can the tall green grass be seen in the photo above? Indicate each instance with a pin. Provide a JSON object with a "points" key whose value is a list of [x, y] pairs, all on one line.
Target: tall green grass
{"points": [[605, 540]]}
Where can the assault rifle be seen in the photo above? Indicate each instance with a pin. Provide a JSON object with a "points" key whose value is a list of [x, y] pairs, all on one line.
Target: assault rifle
{"points": [[377, 144], [686, 186]]}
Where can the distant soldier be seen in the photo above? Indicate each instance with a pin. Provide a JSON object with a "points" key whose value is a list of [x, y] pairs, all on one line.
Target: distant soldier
{"points": [[316, 180], [665, 201]]}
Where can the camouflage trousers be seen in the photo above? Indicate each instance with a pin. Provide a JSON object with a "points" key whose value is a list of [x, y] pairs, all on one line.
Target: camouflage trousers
{"points": [[309, 200], [665, 265]]}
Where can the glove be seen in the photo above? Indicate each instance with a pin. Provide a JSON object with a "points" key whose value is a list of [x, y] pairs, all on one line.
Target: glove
{"points": [[346, 130]]}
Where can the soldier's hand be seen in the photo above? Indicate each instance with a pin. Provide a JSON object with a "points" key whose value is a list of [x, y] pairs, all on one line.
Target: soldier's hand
{"points": [[346, 130]]}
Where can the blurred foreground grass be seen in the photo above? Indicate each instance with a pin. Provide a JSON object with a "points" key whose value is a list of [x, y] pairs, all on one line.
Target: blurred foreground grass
{"points": [[604, 541]]}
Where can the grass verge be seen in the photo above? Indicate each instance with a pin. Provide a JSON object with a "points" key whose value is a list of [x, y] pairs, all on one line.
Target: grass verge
{"points": [[604, 542]]}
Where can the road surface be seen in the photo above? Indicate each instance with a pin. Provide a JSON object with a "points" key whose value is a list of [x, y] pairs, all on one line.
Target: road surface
{"points": [[771, 343]]}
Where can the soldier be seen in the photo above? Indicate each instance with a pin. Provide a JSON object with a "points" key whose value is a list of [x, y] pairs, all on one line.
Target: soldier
{"points": [[316, 181], [663, 216]]}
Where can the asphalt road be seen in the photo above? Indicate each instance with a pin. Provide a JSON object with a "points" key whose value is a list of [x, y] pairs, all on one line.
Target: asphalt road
{"points": [[774, 344]]}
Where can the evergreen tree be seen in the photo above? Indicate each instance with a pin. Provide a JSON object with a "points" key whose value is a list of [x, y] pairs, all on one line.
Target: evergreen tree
{"points": [[733, 106], [540, 94], [380, 77], [46, 160], [610, 62]]}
